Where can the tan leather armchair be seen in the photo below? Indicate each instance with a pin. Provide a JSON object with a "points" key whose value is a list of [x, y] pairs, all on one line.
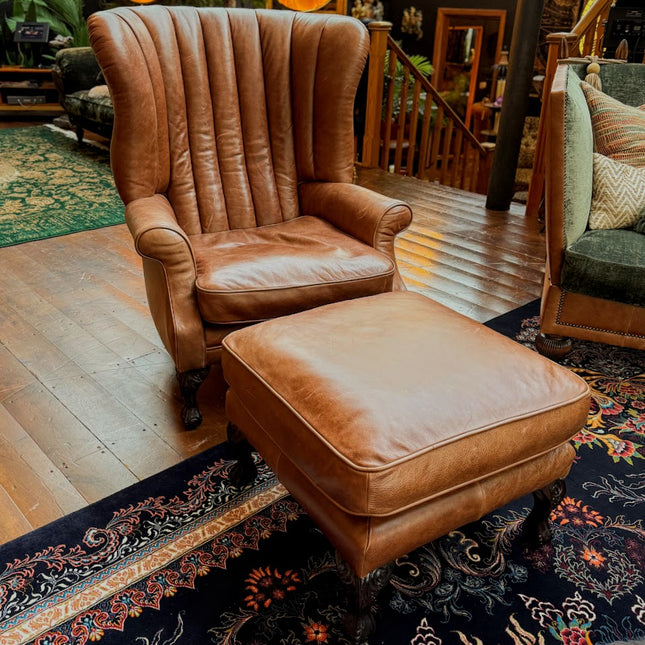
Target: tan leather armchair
{"points": [[233, 152]]}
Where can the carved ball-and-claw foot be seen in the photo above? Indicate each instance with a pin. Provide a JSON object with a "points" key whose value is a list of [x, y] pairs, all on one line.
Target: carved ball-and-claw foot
{"points": [[536, 530], [553, 347], [244, 471], [362, 607], [189, 382]]}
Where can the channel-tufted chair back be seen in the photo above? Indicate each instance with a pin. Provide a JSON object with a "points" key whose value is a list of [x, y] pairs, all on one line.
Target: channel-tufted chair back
{"points": [[226, 111], [233, 151]]}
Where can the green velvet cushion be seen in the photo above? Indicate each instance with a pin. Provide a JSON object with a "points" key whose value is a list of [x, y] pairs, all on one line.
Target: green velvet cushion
{"points": [[607, 264], [639, 227]]}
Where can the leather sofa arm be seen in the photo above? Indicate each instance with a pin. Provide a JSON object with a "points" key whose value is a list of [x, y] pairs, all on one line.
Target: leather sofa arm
{"points": [[169, 270], [360, 212]]}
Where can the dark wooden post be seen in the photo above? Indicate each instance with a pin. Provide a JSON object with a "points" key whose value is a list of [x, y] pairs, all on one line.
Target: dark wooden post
{"points": [[558, 48], [526, 30], [375, 81]]}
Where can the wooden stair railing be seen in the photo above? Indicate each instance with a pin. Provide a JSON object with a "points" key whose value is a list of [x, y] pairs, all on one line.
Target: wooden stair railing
{"points": [[427, 139], [585, 39]]}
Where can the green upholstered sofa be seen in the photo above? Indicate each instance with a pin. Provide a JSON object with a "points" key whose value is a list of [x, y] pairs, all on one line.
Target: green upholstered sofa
{"points": [[82, 91], [594, 284]]}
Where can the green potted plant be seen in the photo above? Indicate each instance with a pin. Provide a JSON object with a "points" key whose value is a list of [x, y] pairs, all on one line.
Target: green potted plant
{"points": [[65, 18]]}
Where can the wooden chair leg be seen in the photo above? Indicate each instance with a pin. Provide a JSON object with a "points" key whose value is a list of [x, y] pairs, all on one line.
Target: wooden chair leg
{"points": [[189, 382], [245, 470], [553, 347], [362, 606], [536, 530]]}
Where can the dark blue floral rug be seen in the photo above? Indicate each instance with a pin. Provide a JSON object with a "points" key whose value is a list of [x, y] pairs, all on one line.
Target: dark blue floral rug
{"points": [[186, 558]]}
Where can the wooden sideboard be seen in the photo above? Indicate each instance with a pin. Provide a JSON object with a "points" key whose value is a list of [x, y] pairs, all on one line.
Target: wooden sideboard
{"points": [[28, 91]]}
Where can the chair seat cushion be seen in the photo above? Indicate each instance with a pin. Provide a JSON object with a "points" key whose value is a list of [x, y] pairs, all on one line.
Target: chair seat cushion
{"points": [[248, 275], [607, 264]]}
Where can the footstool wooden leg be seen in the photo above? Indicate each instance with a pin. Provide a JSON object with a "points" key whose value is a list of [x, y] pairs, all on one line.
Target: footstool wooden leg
{"points": [[362, 608], [537, 529], [244, 471]]}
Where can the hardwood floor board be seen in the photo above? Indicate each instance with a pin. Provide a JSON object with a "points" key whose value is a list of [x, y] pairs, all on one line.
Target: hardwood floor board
{"points": [[71, 262], [477, 270], [117, 428], [472, 258], [13, 374], [71, 339], [67, 442], [398, 186], [466, 307], [471, 249], [450, 281], [28, 492], [28, 346], [483, 236], [158, 412], [111, 332], [13, 523], [35, 462], [131, 313]]}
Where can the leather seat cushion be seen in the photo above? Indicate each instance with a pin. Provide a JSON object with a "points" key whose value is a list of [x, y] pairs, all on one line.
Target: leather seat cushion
{"points": [[248, 275], [388, 402]]}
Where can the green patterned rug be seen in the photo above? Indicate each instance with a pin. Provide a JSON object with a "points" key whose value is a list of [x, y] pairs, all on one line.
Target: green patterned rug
{"points": [[49, 186]]}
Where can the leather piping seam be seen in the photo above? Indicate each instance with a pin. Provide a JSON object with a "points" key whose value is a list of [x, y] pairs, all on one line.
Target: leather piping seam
{"points": [[412, 455], [383, 274], [477, 481], [377, 230], [419, 502]]}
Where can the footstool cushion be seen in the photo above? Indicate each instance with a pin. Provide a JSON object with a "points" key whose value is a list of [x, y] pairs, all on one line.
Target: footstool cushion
{"points": [[395, 420]]}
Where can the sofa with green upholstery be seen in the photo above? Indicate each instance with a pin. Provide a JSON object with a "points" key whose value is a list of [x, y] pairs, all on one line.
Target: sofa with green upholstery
{"points": [[82, 91], [594, 285]]}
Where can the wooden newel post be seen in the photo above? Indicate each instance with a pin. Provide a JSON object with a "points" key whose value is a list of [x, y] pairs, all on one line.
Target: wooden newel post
{"points": [[559, 47], [375, 79]]}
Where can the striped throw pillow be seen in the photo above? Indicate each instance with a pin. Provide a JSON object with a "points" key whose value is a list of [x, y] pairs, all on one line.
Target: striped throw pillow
{"points": [[618, 129], [618, 199]]}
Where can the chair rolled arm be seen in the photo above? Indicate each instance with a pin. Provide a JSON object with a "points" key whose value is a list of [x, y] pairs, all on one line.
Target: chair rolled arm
{"points": [[170, 274], [360, 212], [156, 232]]}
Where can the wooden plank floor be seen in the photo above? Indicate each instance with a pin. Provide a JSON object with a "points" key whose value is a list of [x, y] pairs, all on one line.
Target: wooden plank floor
{"points": [[88, 399]]}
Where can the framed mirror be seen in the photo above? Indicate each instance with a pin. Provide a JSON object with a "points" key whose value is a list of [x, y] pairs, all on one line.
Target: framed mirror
{"points": [[467, 43]]}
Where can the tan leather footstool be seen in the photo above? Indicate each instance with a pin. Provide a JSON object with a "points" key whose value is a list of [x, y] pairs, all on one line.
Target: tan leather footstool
{"points": [[394, 420]]}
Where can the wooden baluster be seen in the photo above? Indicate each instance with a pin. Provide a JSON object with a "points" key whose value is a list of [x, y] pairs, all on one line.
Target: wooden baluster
{"points": [[437, 130], [389, 109], [445, 151], [374, 101], [425, 138], [403, 109], [457, 159], [484, 166], [414, 120]]}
